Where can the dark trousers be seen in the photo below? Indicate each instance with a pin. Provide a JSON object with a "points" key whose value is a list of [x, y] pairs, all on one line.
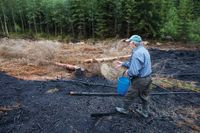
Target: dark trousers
{"points": [[140, 87]]}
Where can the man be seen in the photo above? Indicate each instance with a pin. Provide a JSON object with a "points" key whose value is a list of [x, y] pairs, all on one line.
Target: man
{"points": [[139, 71]]}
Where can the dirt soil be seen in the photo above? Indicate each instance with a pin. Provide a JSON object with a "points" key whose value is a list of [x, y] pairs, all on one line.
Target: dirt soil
{"points": [[43, 105]]}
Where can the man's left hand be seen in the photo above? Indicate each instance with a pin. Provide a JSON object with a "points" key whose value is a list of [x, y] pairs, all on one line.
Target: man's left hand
{"points": [[126, 73]]}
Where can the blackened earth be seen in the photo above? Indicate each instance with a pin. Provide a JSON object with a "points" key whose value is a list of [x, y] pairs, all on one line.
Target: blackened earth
{"points": [[58, 112]]}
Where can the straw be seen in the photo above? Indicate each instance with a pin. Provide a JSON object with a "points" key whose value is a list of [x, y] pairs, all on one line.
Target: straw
{"points": [[110, 72]]}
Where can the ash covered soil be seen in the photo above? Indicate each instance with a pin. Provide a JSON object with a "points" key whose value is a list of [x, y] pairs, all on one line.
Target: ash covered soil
{"points": [[44, 106]]}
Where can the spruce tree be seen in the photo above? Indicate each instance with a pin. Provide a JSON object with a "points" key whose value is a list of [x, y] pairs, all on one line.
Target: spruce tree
{"points": [[169, 15], [77, 17], [105, 26], [148, 19], [129, 16], [185, 15]]}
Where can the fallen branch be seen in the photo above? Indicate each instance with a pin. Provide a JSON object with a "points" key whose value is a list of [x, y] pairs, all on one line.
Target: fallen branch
{"points": [[75, 93], [92, 94], [106, 59]]}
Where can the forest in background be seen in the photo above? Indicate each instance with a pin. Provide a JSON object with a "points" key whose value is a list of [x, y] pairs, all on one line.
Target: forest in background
{"points": [[82, 19]]}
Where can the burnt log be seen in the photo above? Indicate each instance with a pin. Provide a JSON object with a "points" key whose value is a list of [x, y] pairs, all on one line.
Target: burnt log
{"points": [[75, 93]]}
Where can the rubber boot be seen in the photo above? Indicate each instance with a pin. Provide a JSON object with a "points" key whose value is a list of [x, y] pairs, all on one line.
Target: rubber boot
{"points": [[142, 112], [122, 110]]}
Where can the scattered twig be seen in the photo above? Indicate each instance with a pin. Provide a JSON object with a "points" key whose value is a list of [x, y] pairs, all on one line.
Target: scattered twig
{"points": [[39, 126], [98, 121]]}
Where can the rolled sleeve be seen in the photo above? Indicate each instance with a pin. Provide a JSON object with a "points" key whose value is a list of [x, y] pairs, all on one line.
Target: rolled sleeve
{"points": [[126, 64]]}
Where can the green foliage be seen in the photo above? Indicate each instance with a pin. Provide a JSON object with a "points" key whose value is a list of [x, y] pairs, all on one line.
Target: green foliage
{"points": [[82, 19], [77, 17], [148, 18], [105, 18], [194, 34], [185, 15], [128, 17], [170, 20]]}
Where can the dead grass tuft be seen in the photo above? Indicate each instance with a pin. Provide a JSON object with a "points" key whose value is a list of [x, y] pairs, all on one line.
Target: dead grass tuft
{"points": [[52, 90], [174, 83], [9, 107], [189, 123], [41, 54], [29, 53]]}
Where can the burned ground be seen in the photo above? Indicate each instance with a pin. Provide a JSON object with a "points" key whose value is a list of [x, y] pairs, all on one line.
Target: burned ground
{"points": [[44, 106]]}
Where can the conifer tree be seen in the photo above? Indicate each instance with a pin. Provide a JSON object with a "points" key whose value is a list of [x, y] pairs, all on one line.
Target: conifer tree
{"points": [[102, 18], [148, 18], [77, 17], [129, 15], [185, 15], [170, 19], [105, 18], [4, 17]]}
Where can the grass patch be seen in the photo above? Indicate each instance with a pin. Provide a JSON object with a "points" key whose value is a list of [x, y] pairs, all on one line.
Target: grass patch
{"points": [[174, 83]]}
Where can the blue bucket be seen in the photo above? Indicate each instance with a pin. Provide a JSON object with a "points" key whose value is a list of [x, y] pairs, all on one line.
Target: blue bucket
{"points": [[123, 85]]}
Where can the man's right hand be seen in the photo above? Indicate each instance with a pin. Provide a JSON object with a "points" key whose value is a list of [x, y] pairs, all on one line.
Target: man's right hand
{"points": [[118, 64]]}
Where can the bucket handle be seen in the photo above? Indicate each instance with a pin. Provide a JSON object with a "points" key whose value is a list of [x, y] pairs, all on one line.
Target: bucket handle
{"points": [[125, 76], [123, 73]]}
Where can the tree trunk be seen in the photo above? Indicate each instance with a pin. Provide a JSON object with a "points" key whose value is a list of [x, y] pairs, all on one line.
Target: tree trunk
{"points": [[40, 24], [2, 26], [116, 27], [93, 30], [61, 30], [47, 28], [84, 30], [14, 22], [55, 29], [5, 23], [22, 22], [72, 26], [35, 25], [128, 29], [29, 26]]}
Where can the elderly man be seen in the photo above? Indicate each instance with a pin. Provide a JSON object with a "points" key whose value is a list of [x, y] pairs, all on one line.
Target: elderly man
{"points": [[139, 71]]}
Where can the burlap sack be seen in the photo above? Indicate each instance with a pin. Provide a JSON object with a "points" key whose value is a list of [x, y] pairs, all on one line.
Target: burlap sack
{"points": [[110, 72]]}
